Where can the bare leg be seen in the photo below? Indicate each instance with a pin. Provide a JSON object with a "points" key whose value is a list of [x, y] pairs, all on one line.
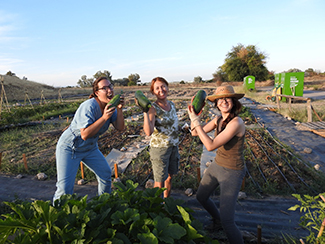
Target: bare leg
{"points": [[168, 185]]}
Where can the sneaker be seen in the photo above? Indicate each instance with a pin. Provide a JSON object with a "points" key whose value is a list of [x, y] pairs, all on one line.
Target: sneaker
{"points": [[214, 226]]}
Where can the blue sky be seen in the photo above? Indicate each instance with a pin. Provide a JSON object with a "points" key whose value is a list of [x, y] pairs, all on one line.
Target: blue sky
{"points": [[56, 42]]}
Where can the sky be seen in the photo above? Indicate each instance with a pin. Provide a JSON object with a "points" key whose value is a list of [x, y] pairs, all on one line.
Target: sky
{"points": [[57, 42]]}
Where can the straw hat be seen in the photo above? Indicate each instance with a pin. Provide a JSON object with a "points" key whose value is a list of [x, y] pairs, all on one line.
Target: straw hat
{"points": [[224, 91]]}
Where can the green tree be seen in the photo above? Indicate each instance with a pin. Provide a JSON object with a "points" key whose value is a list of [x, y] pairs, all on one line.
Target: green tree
{"points": [[10, 73], [84, 82], [240, 62], [198, 79], [133, 79], [105, 73]]}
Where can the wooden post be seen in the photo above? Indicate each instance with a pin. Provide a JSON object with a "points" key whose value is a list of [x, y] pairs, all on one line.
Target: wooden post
{"points": [[25, 161], [320, 233], [290, 100], [259, 234], [309, 113], [0, 159], [82, 170], [198, 174], [116, 171], [278, 101]]}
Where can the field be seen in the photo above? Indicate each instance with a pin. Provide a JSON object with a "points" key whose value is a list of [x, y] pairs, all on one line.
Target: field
{"points": [[272, 168]]}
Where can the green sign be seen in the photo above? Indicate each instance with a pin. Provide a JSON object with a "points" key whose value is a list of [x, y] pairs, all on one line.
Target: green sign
{"points": [[294, 84], [249, 82]]}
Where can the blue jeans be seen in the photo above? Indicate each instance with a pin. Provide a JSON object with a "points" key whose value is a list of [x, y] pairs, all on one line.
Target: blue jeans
{"points": [[230, 182], [67, 164]]}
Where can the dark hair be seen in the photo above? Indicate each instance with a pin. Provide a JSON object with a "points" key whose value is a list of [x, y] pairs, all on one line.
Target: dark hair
{"points": [[154, 80], [95, 85], [235, 110]]}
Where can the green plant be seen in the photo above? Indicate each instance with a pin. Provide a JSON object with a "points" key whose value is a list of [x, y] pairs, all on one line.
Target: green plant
{"points": [[127, 215], [314, 210]]}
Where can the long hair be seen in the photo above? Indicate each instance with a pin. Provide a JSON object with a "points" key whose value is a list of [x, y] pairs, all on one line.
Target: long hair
{"points": [[235, 110], [154, 80], [95, 85]]}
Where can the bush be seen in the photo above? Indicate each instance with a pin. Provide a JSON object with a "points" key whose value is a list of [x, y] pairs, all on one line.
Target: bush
{"points": [[125, 216]]}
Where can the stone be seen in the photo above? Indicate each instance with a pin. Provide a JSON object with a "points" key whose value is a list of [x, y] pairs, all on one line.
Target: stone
{"points": [[308, 150], [317, 167], [19, 176], [189, 192], [41, 176], [81, 182], [241, 195], [150, 183]]}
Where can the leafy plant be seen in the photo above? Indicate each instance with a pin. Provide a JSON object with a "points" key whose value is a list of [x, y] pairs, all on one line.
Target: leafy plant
{"points": [[314, 210], [127, 215]]}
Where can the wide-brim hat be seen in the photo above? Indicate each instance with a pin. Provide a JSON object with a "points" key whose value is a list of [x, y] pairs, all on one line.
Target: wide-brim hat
{"points": [[224, 91]]}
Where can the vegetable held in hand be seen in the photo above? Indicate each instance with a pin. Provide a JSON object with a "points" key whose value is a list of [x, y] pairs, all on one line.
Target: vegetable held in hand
{"points": [[199, 101], [115, 101], [142, 101]]}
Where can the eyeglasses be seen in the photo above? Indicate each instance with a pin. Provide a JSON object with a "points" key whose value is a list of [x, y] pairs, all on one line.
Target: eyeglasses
{"points": [[105, 88], [226, 99]]}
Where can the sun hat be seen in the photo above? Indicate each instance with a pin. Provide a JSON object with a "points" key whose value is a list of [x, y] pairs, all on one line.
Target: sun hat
{"points": [[224, 91]]}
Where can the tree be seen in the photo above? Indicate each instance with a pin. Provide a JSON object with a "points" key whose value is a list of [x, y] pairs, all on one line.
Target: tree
{"points": [[134, 79], [198, 79], [84, 82], [242, 61], [10, 73], [105, 73]]}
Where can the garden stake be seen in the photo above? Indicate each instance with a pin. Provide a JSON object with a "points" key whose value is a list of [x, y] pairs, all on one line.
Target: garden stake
{"points": [[302, 242], [116, 173], [198, 174], [259, 234], [320, 233], [82, 170], [321, 196], [25, 161]]}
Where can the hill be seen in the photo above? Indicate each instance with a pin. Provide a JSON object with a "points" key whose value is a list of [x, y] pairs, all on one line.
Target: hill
{"points": [[16, 89]]}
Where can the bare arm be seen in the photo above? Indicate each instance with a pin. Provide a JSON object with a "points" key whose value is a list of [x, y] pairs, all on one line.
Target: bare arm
{"points": [[234, 127], [207, 127], [149, 121], [93, 129]]}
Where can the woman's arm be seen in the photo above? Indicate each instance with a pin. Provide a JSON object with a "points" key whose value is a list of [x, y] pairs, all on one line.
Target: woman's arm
{"points": [[93, 129], [149, 121], [235, 127], [207, 127], [119, 122]]}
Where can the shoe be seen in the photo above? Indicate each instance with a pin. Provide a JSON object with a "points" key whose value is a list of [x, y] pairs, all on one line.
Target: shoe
{"points": [[214, 226]]}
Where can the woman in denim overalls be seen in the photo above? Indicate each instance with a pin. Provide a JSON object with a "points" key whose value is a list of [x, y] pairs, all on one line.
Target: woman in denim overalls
{"points": [[79, 142]]}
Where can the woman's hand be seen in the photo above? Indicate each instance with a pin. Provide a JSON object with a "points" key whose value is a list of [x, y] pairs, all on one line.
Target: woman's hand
{"points": [[121, 104], [195, 119], [108, 112]]}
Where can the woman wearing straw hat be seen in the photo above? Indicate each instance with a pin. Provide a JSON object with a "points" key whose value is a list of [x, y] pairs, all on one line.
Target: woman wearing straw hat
{"points": [[228, 170]]}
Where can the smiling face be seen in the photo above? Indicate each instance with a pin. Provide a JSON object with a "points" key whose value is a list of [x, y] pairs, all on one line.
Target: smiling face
{"points": [[225, 104], [105, 91], [160, 89]]}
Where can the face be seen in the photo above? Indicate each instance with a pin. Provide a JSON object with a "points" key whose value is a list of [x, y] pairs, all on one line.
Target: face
{"points": [[225, 104], [105, 91], [160, 89]]}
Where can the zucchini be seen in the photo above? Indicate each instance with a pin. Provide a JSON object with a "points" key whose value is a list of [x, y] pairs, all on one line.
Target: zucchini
{"points": [[143, 101], [199, 101], [115, 101]]}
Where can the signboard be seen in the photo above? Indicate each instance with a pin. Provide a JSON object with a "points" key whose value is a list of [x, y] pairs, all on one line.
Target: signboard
{"points": [[249, 82], [294, 84]]}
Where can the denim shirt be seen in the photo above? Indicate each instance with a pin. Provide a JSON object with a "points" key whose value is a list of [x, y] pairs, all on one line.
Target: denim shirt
{"points": [[87, 113]]}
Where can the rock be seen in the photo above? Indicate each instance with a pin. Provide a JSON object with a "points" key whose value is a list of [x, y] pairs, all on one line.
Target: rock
{"points": [[41, 176], [308, 150], [189, 192], [150, 183], [242, 195], [317, 167], [81, 182], [19, 176]]}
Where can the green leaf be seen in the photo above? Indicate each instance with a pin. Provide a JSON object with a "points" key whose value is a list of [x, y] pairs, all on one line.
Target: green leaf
{"points": [[147, 238]]}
